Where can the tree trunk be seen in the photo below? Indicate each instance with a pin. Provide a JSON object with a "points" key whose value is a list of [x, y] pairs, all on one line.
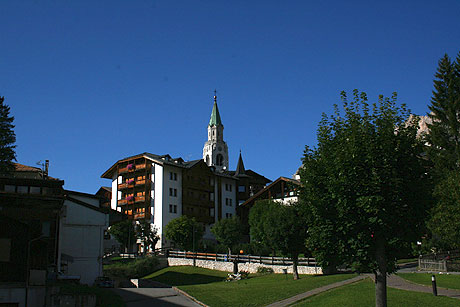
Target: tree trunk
{"points": [[295, 260], [380, 275]]}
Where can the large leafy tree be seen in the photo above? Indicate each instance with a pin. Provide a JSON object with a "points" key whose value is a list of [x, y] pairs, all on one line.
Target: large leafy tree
{"points": [[7, 139], [228, 232], [444, 151], [147, 234], [124, 233], [364, 187], [281, 227], [184, 231]]}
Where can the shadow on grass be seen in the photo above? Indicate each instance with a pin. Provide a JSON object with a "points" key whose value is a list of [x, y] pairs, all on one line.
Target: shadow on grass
{"points": [[184, 279]]}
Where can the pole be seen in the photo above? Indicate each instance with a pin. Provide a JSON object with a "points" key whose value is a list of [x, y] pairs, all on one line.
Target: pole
{"points": [[433, 283], [193, 242]]}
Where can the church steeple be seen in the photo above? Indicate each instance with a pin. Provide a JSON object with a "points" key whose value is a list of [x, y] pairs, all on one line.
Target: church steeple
{"points": [[215, 116], [240, 171], [215, 151]]}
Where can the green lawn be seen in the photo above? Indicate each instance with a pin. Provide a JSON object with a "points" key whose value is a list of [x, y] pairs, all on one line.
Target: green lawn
{"points": [[362, 293], [208, 285], [442, 280]]}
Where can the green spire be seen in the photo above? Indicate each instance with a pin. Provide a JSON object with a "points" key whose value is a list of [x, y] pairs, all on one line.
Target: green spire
{"points": [[215, 116]]}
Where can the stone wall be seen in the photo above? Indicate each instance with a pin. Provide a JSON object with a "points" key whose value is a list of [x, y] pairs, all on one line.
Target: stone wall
{"points": [[242, 266]]}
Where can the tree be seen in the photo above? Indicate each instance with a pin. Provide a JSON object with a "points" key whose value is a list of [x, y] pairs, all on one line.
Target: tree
{"points": [[228, 232], [184, 231], [281, 227], [124, 233], [365, 188], [147, 234], [7, 139], [444, 151], [444, 135]]}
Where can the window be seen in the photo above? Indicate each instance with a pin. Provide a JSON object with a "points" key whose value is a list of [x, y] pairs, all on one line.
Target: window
{"points": [[241, 188], [219, 160], [228, 215], [172, 208], [211, 196], [10, 188], [172, 176], [211, 212], [23, 189], [175, 192], [34, 190], [228, 202], [228, 187]]}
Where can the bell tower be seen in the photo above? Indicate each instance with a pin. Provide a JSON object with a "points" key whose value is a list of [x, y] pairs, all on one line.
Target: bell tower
{"points": [[215, 150]]}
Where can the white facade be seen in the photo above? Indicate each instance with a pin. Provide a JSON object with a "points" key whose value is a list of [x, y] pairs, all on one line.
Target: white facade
{"points": [[81, 236]]}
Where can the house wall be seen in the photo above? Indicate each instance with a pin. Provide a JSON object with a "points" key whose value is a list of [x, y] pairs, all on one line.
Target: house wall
{"points": [[157, 173], [81, 237], [230, 195]]}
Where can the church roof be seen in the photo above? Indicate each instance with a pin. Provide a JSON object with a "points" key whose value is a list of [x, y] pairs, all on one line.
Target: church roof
{"points": [[240, 171], [215, 116]]}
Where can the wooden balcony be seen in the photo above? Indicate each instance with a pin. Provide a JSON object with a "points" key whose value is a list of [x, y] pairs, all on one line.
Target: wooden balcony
{"points": [[137, 199], [136, 167], [139, 215], [127, 185]]}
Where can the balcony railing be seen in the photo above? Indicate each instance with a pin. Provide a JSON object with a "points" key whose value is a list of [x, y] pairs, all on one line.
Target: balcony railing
{"points": [[131, 168], [131, 200], [127, 185], [139, 215]]}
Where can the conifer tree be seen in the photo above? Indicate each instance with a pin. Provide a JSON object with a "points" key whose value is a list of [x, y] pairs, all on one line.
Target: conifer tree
{"points": [[444, 151], [7, 139], [444, 136]]}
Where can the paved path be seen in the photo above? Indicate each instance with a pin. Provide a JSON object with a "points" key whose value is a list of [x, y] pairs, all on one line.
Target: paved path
{"points": [[154, 294], [304, 295], [394, 281]]}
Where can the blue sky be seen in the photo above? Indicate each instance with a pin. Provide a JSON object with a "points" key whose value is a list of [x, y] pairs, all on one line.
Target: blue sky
{"points": [[90, 82]]}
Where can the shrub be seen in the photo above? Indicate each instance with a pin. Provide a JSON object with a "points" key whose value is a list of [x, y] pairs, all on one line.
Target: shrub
{"points": [[264, 270], [133, 269]]}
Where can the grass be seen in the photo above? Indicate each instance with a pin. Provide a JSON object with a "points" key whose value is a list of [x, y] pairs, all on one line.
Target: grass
{"points": [[362, 293], [259, 290], [442, 280], [104, 297]]}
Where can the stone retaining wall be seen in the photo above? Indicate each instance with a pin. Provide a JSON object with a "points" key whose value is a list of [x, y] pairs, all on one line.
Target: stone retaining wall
{"points": [[242, 266]]}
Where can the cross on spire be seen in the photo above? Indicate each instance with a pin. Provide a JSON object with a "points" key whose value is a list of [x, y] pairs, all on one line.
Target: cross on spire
{"points": [[215, 95]]}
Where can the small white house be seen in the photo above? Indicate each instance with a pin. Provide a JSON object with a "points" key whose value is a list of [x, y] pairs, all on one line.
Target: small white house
{"points": [[81, 236]]}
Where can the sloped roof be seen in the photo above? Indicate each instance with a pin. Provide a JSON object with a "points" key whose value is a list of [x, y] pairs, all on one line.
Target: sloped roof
{"points": [[240, 171], [215, 116], [266, 188]]}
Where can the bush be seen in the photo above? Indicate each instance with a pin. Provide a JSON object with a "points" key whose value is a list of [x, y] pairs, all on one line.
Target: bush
{"points": [[134, 269], [264, 270]]}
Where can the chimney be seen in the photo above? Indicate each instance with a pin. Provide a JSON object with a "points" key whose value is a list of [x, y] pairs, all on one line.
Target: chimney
{"points": [[47, 164]]}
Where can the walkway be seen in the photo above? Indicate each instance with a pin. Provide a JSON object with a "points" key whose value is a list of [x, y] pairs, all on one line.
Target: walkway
{"points": [[393, 281], [304, 295], [154, 294]]}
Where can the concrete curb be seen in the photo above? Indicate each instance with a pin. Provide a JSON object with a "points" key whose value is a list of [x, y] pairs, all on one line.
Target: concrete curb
{"points": [[189, 296]]}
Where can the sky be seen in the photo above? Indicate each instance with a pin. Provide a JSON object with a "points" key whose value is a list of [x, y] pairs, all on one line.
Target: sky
{"points": [[92, 82]]}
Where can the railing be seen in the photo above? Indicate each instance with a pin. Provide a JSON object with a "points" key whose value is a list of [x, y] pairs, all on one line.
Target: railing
{"points": [[134, 200], [432, 265], [139, 215], [132, 169], [240, 258]]}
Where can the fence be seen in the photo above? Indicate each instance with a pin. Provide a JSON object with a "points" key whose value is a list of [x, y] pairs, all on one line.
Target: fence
{"points": [[239, 258], [444, 262]]}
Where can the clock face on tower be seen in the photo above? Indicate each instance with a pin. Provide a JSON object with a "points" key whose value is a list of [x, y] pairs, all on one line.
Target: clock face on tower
{"points": [[219, 148]]}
